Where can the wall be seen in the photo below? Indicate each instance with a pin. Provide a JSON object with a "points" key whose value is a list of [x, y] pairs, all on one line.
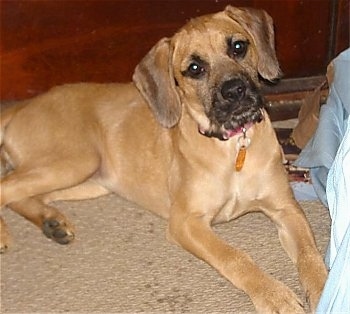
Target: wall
{"points": [[45, 43]]}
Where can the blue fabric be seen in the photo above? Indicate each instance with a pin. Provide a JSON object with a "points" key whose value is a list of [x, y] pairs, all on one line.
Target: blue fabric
{"points": [[328, 156], [319, 153], [303, 191], [336, 295]]}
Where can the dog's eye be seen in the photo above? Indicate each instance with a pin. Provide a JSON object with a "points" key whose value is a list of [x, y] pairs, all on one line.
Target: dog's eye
{"points": [[237, 49], [195, 70]]}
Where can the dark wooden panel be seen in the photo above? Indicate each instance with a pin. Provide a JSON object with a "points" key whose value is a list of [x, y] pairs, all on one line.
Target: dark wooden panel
{"points": [[342, 35], [45, 43]]}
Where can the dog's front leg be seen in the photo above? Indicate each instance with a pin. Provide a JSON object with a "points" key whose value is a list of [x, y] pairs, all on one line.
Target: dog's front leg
{"points": [[298, 241], [193, 232]]}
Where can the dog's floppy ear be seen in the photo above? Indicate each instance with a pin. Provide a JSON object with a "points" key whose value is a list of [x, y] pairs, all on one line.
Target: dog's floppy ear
{"points": [[260, 26], [154, 78]]}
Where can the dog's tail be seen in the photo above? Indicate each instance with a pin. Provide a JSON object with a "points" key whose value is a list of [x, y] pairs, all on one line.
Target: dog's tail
{"points": [[5, 118]]}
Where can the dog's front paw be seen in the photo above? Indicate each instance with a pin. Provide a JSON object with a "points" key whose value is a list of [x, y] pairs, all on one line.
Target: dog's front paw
{"points": [[277, 298], [58, 231], [314, 282], [313, 296]]}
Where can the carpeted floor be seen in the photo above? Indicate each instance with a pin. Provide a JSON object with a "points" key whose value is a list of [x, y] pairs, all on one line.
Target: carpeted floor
{"points": [[121, 262]]}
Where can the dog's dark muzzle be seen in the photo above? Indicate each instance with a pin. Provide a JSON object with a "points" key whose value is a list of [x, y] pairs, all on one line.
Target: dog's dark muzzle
{"points": [[236, 102]]}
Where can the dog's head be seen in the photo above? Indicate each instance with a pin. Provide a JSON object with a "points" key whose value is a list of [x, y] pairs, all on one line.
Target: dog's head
{"points": [[211, 68]]}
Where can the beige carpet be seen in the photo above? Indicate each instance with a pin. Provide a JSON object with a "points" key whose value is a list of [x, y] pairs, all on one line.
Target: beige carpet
{"points": [[121, 262]]}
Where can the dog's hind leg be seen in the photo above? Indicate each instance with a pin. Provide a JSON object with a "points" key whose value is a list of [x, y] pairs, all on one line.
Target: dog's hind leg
{"points": [[86, 190], [49, 219], [19, 188], [42, 177]]}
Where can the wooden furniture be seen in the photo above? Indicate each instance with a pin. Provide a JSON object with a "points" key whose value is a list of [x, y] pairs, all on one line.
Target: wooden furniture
{"points": [[46, 43]]}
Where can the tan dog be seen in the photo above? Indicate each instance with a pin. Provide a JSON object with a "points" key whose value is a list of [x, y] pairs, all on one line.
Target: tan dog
{"points": [[188, 140]]}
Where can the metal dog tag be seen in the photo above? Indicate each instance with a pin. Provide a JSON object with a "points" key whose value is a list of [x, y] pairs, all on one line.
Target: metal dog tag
{"points": [[243, 143]]}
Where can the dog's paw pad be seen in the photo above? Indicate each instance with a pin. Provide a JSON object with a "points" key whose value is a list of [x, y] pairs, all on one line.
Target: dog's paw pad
{"points": [[57, 231]]}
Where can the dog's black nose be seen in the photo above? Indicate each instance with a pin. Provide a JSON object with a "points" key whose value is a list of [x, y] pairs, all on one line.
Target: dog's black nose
{"points": [[233, 89]]}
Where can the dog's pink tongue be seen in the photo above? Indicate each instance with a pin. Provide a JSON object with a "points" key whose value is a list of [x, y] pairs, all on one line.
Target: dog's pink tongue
{"points": [[229, 133], [201, 130]]}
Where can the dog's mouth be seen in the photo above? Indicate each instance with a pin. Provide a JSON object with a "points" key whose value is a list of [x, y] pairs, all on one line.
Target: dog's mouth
{"points": [[237, 105], [224, 134]]}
